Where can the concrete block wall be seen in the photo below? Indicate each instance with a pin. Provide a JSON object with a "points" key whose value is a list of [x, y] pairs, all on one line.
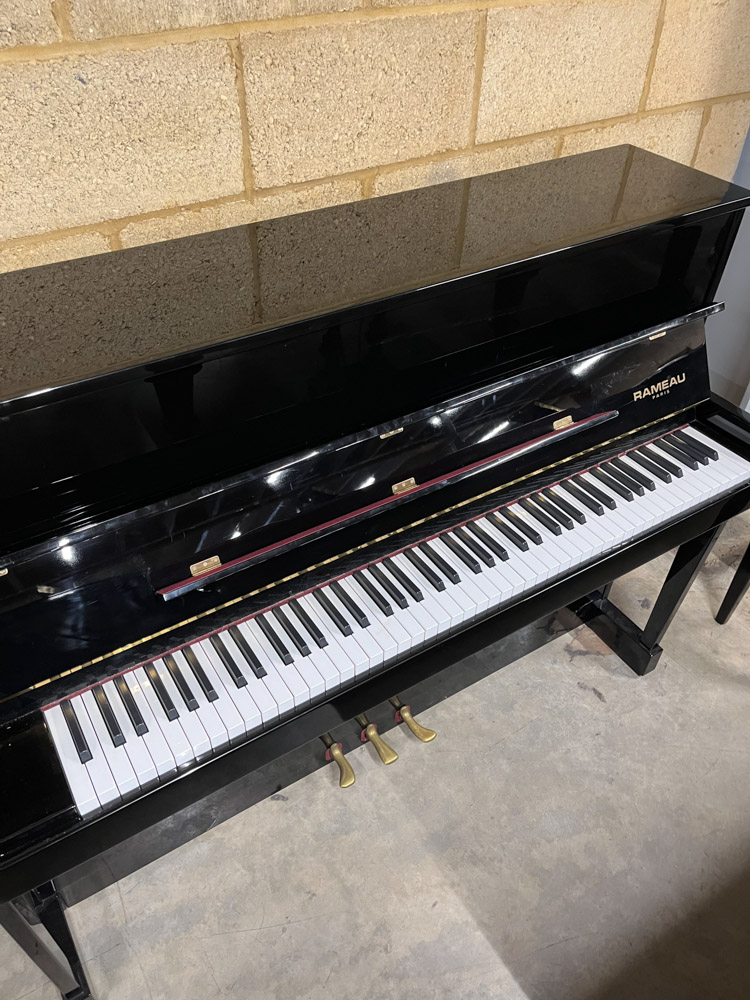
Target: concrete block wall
{"points": [[124, 122]]}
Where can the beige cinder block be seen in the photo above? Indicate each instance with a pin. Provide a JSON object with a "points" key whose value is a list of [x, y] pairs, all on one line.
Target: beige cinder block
{"points": [[99, 18], [188, 221], [116, 309], [316, 262], [673, 135], [704, 51], [342, 97], [723, 138], [27, 22], [551, 65], [550, 203], [52, 251], [116, 134], [469, 165]]}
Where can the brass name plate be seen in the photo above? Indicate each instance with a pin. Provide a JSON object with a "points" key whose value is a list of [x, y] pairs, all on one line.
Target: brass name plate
{"points": [[562, 422], [402, 487], [199, 568], [390, 434]]}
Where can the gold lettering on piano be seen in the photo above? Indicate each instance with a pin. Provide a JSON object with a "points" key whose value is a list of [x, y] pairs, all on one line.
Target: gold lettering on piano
{"points": [[562, 422], [390, 434], [199, 568], [659, 388], [404, 486]]}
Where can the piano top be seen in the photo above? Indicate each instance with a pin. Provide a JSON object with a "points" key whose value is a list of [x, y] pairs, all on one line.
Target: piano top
{"points": [[65, 323]]}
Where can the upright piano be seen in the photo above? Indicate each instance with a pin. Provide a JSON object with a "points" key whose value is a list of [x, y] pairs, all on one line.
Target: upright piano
{"points": [[260, 482]]}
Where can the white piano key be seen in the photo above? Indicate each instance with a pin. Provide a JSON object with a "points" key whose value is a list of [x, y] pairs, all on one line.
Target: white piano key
{"points": [[172, 732], [135, 746], [336, 653], [437, 612], [189, 721], [256, 689], [287, 673], [307, 669], [101, 776], [370, 639], [471, 598], [392, 637], [428, 627], [230, 696], [207, 711], [272, 681], [116, 757], [79, 782], [157, 746]]}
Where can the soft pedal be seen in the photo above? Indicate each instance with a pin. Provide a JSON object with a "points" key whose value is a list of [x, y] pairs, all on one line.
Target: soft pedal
{"points": [[335, 752]]}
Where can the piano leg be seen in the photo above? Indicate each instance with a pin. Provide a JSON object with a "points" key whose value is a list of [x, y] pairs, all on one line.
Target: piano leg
{"points": [[68, 976], [737, 589], [640, 648]]}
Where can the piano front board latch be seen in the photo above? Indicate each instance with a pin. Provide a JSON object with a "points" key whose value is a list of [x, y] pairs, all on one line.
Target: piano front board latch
{"points": [[403, 714], [371, 735], [335, 751]]}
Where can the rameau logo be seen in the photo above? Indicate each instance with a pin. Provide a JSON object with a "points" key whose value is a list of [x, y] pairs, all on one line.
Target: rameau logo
{"points": [[659, 388]]}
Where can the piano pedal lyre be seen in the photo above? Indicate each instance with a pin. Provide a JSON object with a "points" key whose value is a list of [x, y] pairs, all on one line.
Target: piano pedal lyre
{"points": [[334, 751], [403, 714], [370, 734]]}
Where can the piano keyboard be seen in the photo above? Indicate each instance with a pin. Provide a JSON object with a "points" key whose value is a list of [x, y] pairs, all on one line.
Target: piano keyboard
{"points": [[136, 729]]}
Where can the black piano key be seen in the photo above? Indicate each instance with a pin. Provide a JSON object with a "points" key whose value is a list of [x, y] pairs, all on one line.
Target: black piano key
{"points": [[595, 492], [630, 470], [513, 536], [76, 733], [373, 593], [565, 505], [533, 511], [279, 648], [583, 497], [623, 478], [701, 446], [126, 696], [520, 525], [409, 586], [336, 617], [658, 458], [302, 648], [544, 503], [676, 454], [458, 550], [472, 543], [351, 605], [641, 457], [248, 655], [437, 560], [309, 624], [688, 448], [487, 540], [230, 666], [611, 484], [200, 674], [427, 571], [110, 719], [388, 586], [161, 692], [182, 685]]}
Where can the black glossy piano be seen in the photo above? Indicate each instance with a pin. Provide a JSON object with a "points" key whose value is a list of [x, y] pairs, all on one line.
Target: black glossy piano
{"points": [[273, 484]]}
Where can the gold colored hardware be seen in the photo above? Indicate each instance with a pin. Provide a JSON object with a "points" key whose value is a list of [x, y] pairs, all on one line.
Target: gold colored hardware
{"points": [[656, 336], [403, 714], [370, 734], [334, 751], [299, 574], [199, 568], [403, 486], [390, 434], [4, 572], [562, 422], [42, 588]]}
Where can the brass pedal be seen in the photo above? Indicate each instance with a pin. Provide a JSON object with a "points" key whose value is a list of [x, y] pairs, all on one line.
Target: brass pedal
{"points": [[370, 734], [403, 714], [334, 751]]}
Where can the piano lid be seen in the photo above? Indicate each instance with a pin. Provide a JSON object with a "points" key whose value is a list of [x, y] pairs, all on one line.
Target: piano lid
{"points": [[67, 322]]}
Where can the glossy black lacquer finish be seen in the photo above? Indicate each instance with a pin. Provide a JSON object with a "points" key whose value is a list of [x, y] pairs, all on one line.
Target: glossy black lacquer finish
{"points": [[172, 411]]}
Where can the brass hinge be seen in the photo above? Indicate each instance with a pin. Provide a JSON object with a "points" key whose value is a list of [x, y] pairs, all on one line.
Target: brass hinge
{"points": [[4, 571], [402, 487], [656, 336], [390, 434], [562, 422], [199, 568]]}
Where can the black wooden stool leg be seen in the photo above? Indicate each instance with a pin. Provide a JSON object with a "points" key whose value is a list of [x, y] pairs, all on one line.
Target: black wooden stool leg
{"points": [[67, 976], [737, 589]]}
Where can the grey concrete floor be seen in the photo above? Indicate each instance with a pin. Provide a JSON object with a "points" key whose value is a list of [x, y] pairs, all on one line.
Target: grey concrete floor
{"points": [[573, 832]]}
